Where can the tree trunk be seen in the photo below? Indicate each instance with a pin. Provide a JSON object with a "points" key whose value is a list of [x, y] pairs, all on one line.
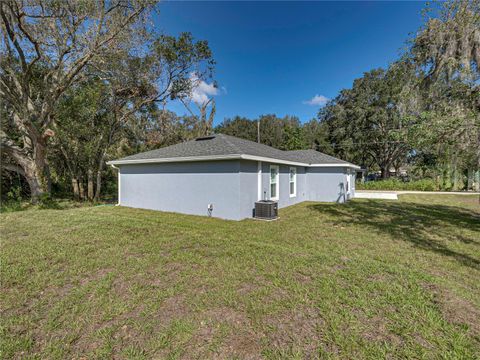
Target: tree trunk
{"points": [[447, 185], [40, 171], [470, 180], [99, 186], [454, 175], [477, 181], [37, 180], [81, 189], [34, 166], [385, 172], [90, 184], [37, 189], [101, 164], [76, 191]]}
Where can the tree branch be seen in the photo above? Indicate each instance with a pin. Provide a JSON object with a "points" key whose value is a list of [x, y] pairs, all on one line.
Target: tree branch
{"points": [[8, 147], [13, 168], [12, 37]]}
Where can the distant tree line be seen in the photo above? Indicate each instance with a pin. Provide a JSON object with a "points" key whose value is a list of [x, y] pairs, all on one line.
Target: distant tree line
{"points": [[85, 82], [423, 111]]}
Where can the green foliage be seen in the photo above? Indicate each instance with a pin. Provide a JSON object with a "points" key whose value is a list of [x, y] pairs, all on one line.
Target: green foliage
{"points": [[368, 124], [46, 204], [396, 184], [282, 133], [240, 127], [447, 46], [12, 200], [294, 139], [15, 194], [316, 136], [11, 206], [78, 81], [46, 201], [426, 104]]}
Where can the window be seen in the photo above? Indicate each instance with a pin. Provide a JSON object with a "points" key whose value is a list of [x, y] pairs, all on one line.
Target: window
{"points": [[293, 182], [274, 182]]}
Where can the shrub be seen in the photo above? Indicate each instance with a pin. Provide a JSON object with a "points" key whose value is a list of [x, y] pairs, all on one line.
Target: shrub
{"points": [[395, 184], [15, 194], [10, 206], [47, 202], [12, 201]]}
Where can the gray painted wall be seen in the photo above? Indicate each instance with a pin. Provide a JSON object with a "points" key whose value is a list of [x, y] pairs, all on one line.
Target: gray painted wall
{"points": [[231, 186], [313, 184], [284, 184], [183, 187], [248, 188], [326, 184]]}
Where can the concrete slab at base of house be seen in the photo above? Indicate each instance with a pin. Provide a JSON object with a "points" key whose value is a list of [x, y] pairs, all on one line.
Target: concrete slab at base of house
{"points": [[376, 195]]}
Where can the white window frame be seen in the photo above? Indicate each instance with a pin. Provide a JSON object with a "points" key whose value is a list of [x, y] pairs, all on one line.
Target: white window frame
{"points": [[294, 182], [277, 182]]}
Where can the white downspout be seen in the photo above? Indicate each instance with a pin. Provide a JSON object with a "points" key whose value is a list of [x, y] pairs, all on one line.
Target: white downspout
{"points": [[259, 180]]}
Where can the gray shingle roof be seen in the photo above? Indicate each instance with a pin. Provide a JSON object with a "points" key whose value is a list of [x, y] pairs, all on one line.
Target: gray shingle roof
{"points": [[315, 157], [221, 144]]}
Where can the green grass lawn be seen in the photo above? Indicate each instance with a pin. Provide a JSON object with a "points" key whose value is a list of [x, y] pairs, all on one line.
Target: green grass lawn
{"points": [[369, 279]]}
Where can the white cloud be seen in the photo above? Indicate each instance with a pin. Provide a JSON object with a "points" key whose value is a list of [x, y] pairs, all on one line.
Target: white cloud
{"points": [[202, 91], [317, 100]]}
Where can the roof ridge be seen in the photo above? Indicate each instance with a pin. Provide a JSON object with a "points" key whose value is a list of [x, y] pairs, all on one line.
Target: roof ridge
{"points": [[252, 142], [303, 150], [225, 137]]}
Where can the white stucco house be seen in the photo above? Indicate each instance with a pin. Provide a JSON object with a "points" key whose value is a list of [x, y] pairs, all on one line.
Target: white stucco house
{"points": [[224, 176]]}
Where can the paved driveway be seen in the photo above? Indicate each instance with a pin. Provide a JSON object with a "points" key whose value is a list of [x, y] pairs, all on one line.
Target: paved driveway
{"points": [[386, 195], [393, 195]]}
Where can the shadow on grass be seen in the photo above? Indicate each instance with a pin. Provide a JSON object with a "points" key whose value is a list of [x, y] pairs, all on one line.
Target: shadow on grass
{"points": [[430, 227]]}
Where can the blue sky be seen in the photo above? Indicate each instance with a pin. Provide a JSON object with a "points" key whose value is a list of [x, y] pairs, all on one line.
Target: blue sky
{"points": [[273, 57]]}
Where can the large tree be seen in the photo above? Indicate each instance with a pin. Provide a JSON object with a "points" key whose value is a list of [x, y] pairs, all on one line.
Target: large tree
{"points": [[46, 46], [368, 124], [119, 97], [84, 131], [447, 46], [446, 52]]}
